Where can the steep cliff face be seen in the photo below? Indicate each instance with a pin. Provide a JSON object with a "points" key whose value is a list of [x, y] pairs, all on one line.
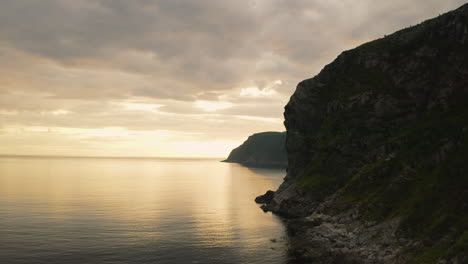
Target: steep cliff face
{"points": [[381, 136], [267, 149]]}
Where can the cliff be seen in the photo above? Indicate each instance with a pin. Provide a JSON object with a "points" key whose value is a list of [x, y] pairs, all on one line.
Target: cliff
{"points": [[377, 148], [265, 149]]}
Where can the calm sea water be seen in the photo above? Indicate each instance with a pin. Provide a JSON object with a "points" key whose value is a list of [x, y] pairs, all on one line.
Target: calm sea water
{"points": [[84, 210]]}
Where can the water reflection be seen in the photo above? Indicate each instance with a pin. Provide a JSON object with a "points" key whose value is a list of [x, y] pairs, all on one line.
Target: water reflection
{"points": [[135, 211]]}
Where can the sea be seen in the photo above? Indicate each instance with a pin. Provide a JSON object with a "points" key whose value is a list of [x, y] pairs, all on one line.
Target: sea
{"points": [[136, 210]]}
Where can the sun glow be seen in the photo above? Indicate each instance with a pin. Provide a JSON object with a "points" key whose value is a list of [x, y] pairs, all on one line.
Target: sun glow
{"points": [[110, 141]]}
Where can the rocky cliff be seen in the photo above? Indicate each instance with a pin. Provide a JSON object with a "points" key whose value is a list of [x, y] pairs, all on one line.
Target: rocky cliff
{"points": [[267, 149], [377, 148]]}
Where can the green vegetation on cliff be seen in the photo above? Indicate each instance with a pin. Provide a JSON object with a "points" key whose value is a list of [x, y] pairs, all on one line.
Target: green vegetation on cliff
{"points": [[265, 149], [385, 129]]}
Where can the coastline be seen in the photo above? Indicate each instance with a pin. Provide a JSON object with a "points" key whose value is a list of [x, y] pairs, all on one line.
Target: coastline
{"points": [[376, 146]]}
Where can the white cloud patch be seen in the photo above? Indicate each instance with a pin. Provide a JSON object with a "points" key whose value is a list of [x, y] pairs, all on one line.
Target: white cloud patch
{"points": [[142, 106], [213, 106], [57, 112], [256, 92], [266, 91]]}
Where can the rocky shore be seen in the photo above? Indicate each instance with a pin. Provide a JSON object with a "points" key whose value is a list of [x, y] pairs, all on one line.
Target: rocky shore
{"points": [[326, 236]]}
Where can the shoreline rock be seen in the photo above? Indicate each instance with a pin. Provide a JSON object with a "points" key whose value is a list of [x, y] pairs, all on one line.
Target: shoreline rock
{"points": [[265, 198]]}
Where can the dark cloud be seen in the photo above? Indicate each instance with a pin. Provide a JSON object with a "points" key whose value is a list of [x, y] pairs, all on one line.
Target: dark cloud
{"points": [[212, 44]]}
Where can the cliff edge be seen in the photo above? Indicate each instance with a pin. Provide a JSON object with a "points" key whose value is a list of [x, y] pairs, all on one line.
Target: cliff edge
{"points": [[377, 148]]}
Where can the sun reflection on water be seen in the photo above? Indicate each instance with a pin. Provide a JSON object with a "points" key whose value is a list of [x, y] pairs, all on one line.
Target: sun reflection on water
{"points": [[164, 210]]}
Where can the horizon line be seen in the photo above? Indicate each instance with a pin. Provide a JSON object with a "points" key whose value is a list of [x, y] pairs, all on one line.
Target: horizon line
{"points": [[101, 157]]}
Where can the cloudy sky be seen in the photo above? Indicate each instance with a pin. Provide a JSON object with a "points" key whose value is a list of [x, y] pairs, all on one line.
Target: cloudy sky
{"points": [[170, 77]]}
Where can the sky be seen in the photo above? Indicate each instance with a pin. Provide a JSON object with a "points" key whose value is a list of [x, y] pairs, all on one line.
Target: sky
{"points": [[170, 78]]}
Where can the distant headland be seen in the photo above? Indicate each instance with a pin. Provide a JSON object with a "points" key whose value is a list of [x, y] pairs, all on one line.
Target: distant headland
{"points": [[266, 149]]}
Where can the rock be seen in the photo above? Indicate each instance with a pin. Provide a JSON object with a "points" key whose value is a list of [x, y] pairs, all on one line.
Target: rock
{"points": [[265, 208], [376, 139], [265, 198]]}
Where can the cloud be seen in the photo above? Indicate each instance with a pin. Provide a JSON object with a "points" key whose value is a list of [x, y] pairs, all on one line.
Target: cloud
{"points": [[203, 70], [213, 106]]}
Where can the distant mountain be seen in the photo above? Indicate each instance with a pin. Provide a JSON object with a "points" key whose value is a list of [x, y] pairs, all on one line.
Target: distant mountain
{"points": [[378, 150], [265, 149]]}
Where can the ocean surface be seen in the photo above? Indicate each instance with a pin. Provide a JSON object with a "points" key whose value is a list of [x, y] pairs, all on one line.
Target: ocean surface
{"points": [[108, 210]]}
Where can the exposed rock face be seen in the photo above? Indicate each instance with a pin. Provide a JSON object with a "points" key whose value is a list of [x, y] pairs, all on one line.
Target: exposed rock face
{"points": [[267, 149], [378, 145]]}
